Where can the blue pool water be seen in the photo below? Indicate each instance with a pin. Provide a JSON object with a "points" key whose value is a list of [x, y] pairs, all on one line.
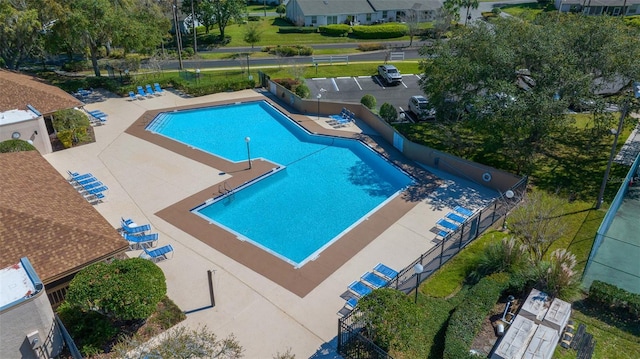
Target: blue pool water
{"points": [[323, 187]]}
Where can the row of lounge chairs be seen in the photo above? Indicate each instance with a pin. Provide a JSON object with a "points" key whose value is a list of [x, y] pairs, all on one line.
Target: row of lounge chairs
{"points": [[88, 186], [138, 238], [97, 117], [82, 93], [452, 221], [377, 278], [146, 92], [343, 119]]}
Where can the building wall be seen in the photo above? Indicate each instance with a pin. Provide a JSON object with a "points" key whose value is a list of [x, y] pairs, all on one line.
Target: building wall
{"points": [[21, 320], [28, 131]]}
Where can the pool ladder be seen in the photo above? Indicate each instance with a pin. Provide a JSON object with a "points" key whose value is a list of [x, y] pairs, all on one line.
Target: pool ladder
{"points": [[226, 192]]}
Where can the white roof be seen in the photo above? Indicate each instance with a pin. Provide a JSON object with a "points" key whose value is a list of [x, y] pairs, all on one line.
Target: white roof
{"points": [[15, 284], [13, 116], [536, 305], [515, 341], [558, 314], [543, 344]]}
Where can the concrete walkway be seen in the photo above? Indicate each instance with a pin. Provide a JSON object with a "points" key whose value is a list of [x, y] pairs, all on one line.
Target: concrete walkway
{"points": [[145, 178]]}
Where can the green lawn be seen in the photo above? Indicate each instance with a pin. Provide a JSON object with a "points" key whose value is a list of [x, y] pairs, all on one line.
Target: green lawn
{"points": [[527, 11]]}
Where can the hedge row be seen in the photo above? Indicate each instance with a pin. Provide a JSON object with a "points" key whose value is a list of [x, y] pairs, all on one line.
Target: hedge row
{"points": [[337, 30], [611, 296], [288, 51], [386, 31], [466, 320], [297, 30], [209, 88]]}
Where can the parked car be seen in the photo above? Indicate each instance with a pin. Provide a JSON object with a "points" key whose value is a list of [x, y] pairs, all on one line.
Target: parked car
{"points": [[419, 105], [390, 74]]}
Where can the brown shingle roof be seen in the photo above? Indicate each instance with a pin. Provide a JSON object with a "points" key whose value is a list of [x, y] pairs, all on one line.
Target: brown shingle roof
{"points": [[45, 219], [18, 90]]}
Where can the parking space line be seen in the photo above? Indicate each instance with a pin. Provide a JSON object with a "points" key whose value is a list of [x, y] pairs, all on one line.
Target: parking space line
{"points": [[319, 78], [403, 84], [357, 83], [335, 85]]}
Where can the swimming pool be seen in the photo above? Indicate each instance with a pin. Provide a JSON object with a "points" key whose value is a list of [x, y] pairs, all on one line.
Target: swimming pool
{"points": [[320, 188]]}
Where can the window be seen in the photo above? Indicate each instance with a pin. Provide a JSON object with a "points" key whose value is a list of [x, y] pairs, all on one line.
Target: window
{"points": [[384, 14], [314, 19], [368, 17], [332, 20]]}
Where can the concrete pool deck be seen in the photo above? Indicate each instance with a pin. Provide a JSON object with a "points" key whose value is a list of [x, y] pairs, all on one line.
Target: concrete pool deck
{"points": [[267, 305]]}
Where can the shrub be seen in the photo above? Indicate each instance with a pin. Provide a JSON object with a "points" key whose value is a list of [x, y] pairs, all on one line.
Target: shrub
{"points": [[388, 112], [297, 30], [610, 296], [466, 320], [90, 330], [504, 256], [289, 84], [288, 51], [336, 30], [367, 46], [303, 91], [385, 31], [253, 18], [76, 66], [15, 146], [122, 290], [369, 101]]}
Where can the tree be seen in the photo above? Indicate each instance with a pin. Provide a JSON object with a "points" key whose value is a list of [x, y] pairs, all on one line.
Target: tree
{"points": [[227, 10], [182, 343], [252, 33], [412, 20], [538, 222], [15, 146], [388, 112], [281, 10], [127, 289], [501, 78], [20, 33]]}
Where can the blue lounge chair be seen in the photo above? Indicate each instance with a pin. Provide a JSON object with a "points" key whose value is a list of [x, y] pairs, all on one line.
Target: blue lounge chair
{"points": [[94, 198], [98, 114], [159, 90], [455, 217], [360, 289], [97, 190], [132, 96], [141, 241], [157, 254], [141, 92], [150, 90], [88, 186], [78, 177], [84, 181], [463, 211], [351, 302], [373, 280], [447, 225], [385, 271], [128, 229]]}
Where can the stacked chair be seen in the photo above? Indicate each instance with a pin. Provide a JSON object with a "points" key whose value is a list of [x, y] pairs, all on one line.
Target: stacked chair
{"points": [[88, 186], [377, 278], [139, 237]]}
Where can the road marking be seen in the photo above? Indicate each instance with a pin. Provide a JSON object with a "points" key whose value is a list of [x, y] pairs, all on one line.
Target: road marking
{"points": [[319, 78], [335, 85], [405, 86], [419, 76], [364, 77], [357, 83], [345, 77]]}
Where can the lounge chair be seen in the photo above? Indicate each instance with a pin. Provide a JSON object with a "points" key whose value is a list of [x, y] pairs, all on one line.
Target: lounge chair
{"points": [[94, 198], [159, 90], [157, 254], [141, 92], [75, 176], [149, 90], [132, 228], [385, 271], [351, 302], [447, 225], [83, 182], [132, 96], [360, 289], [96, 190], [455, 217], [373, 280], [463, 211], [88, 186], [141, 241]]}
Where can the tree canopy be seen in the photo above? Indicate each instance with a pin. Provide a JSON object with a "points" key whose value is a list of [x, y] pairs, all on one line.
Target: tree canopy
{"points": [[122, 290], [510, 82]]}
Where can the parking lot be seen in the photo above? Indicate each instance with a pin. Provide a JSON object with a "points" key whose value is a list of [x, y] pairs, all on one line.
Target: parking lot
{"points": [[351, 89]]}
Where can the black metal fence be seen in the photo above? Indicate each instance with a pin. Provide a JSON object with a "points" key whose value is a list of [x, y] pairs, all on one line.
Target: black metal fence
{"points": [[352, 341]]}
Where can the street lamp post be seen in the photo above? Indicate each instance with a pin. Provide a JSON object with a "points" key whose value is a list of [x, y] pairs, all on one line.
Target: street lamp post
{"points": [[509, 195], [247, 140], [318, 97], [418, 268]]}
